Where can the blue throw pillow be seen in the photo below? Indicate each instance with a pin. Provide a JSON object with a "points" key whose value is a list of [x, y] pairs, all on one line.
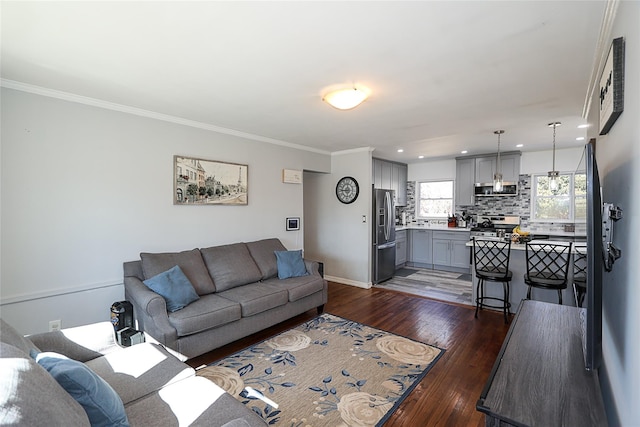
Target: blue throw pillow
{"points": [[290, 264], [101, 403], [174, 287]]}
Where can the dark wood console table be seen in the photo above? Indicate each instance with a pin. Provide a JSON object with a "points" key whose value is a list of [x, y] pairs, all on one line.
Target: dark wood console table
{"points": [[539, 377]]}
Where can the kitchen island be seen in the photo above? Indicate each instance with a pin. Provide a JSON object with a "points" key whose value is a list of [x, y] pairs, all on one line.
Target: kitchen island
{"points": [[518, 289], [436, 247]]}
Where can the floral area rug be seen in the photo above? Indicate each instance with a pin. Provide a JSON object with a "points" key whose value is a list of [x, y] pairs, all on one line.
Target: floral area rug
{"points": [[328, 371]]}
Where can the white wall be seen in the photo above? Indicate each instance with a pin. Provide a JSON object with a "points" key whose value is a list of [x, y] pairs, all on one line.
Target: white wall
{"points": [[567, 160], [340, 239], [618, 157], [86, 188], [432, 170]]}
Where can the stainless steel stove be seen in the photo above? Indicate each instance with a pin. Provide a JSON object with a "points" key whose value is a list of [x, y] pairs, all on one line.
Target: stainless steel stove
{"points": [[498, 226]]}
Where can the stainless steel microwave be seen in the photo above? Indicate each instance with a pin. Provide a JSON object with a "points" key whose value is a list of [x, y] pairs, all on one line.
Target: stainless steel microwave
{"points": [[486, 189]]}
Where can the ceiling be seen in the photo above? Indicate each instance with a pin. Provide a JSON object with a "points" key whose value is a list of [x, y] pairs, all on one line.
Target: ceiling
{"points": [[443, 74]]}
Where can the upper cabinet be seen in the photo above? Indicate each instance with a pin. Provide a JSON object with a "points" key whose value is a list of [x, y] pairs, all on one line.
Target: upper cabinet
{"points": [[509, 167], [391, 176], [465, 179], [480, 169]]}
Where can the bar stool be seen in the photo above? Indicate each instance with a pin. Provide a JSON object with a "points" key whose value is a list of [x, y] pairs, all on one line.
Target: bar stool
{"points": [[547, 266], [491, 260], [579, 273]]}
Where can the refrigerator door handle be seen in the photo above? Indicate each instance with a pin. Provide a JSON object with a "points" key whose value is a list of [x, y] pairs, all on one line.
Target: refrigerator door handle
{"points": [[387, 245], [387, 222]]}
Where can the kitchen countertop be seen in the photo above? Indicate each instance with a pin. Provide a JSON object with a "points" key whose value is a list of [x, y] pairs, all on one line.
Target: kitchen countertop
{"points": [[522, 246], [430, 227]]}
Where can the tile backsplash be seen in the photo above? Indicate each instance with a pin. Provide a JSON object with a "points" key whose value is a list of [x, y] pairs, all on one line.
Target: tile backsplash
{"points": [[517, 205]]}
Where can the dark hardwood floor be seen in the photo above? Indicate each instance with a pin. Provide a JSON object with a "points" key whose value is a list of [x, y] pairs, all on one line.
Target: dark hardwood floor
{"points": [[447, 395]]}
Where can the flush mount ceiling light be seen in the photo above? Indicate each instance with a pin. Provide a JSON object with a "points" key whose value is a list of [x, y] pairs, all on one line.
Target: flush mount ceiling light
{"points": [[497, 177], [346, 99], [554, 174]]}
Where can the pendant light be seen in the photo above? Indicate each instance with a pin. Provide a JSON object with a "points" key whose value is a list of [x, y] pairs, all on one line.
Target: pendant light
{"points": [[553, 173], [497, 177]]}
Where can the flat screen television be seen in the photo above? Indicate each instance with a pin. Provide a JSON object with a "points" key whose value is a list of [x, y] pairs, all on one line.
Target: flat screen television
{"points": [[591, 316]]}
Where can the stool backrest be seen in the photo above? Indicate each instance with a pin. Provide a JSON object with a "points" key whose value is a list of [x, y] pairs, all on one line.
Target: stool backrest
{"points": [[579, 263], [491, 256], [548, 260]]}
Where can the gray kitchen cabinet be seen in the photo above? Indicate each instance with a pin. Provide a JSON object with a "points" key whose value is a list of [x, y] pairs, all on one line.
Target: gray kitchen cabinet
{"points": [[391, 176], [377, 173], [465, 179], [401, 248], [399, 183], [450, 252], [420, 251], [509, 167], [386, 176]]}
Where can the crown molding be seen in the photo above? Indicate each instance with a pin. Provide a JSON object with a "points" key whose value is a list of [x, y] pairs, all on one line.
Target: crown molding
{"points": [[351, 151], [600, 55], [94, 102]]}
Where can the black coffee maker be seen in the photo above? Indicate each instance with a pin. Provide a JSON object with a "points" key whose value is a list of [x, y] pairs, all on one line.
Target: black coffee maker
{"points": [[121, 315]]}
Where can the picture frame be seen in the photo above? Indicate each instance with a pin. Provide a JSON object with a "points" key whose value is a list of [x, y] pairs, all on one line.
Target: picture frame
{"points": [[293, 224], [209, 182], [612, 86]]}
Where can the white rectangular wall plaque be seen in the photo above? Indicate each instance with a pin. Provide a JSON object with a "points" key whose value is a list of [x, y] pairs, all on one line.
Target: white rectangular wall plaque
{"points": [[292, 176]]}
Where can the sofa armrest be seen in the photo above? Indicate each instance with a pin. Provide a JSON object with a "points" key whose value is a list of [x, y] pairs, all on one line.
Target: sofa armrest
{"points": [[81, 343], [150, 310], [313, 267]]}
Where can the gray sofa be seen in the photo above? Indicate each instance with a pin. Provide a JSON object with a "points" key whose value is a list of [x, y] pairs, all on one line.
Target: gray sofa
{"points": [[239, 294], [156, 388]]}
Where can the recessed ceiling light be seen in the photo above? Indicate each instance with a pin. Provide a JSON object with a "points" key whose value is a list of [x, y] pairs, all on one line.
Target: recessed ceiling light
{"points": [[400, 150], [520, 145], [586, 125], [421, 157], [580, 138], [464, 152]]}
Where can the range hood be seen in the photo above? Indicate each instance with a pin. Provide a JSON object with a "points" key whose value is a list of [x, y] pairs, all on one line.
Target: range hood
{"points": [[486, 189]]}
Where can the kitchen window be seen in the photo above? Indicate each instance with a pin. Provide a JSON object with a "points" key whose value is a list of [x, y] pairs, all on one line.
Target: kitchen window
{"points": [[435, 199], [566, 204]]}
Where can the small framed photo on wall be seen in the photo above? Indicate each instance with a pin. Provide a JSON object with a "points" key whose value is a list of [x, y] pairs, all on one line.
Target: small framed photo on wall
{"points": [[293, 224]]}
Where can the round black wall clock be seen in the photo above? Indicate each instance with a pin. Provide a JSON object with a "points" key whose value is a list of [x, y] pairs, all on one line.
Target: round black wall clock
{"points": [[347, 190]]}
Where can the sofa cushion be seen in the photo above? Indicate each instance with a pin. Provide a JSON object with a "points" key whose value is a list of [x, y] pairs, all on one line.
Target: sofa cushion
{"points": [[136, 371], [190, 262], [29, 396], [299, 287], [208, 312], [101, 403], [290, 264], [206, 405], [174, 287], [230, 266], [263, 253], [10, 336], [257, 297]]}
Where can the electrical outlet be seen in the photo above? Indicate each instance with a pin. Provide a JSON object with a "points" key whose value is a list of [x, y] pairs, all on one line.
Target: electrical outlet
{"points": [[364, 218], [55, 325]]}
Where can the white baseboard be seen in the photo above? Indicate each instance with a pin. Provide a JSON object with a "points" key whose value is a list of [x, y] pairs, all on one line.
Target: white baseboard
{"points": [[355, 283]]}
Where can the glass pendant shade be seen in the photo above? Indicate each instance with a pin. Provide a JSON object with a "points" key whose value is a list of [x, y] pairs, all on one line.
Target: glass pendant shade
{"points": [[346, 99], [497, 182]]}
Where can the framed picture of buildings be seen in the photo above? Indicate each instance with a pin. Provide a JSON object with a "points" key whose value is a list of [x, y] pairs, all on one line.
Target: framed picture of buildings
{"points": [[209, 182]]}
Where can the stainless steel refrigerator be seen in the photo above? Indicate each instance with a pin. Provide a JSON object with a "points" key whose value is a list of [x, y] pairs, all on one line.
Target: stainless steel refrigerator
{"points": [[384, 235]]}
